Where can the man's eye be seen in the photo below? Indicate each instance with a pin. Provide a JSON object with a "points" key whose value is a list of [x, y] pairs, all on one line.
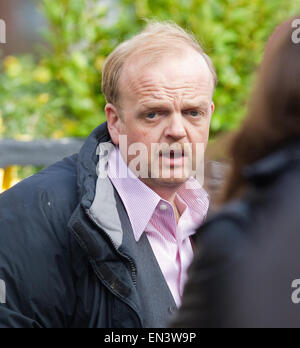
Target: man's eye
{"points": [[194, 113], [151, 115]]}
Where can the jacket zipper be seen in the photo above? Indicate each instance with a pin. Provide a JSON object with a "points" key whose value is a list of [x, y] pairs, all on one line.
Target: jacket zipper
{"points": [[132, 265], [131, 262]]}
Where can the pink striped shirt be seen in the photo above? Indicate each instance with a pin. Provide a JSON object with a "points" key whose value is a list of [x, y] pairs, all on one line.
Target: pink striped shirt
{"points": [[150, 214]]}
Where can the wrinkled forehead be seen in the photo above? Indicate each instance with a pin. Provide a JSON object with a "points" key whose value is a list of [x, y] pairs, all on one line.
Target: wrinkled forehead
{"points": [[185, 72]]}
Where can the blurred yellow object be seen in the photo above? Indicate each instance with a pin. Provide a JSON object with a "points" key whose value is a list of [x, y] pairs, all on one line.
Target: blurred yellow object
{"points": [[2, 127], [43, 98], [1, 179], [42, 75], [12, 66], [23, 137], [7, 178], [58, 134], [10, 61], [99, 63]]}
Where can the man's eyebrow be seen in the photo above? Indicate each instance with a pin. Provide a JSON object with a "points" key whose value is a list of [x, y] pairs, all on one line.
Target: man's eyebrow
{"points": [[195, 104], [154, 105], [158, 105]]}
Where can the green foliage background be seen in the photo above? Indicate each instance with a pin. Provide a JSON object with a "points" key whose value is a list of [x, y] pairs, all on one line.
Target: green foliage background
{"points": [[58, 93]]}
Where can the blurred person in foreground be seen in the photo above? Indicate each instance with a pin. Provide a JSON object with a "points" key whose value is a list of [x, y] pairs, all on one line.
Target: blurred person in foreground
{"points": [[247, 269], [98, 239]]}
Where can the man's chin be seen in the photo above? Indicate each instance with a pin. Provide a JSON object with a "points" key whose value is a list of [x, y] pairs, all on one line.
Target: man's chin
{"points": [[165, 182]]}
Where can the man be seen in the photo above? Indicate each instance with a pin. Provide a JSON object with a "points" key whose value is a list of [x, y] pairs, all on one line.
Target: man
{"points": [[81, 244]]}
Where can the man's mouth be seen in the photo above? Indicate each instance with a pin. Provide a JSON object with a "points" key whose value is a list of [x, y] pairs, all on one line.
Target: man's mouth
{"points": [[172, 158], [172, 154]]}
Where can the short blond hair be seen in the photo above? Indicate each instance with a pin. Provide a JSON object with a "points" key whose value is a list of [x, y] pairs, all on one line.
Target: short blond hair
{"points": [[157, 38]]}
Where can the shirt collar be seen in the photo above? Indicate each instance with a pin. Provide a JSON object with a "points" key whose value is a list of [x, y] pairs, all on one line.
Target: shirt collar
{"points": [[141, 202], [196, 198]]}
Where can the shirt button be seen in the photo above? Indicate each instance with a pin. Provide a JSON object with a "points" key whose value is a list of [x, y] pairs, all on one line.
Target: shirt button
{"points": [[163, 207]]}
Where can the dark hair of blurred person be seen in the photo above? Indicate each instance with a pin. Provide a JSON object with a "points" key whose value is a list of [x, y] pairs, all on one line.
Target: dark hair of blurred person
{"points": [[247, 260], [274, 113]]}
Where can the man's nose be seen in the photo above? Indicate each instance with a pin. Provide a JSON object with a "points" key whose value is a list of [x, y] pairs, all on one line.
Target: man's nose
{"points": [[175, 127]]}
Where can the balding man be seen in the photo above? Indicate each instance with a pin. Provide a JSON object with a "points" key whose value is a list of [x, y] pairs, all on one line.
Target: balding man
{"points": [[103, 238]]}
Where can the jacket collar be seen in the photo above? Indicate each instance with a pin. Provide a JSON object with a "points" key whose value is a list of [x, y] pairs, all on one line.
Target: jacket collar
{"points": [[87, 165], [95, 190]]}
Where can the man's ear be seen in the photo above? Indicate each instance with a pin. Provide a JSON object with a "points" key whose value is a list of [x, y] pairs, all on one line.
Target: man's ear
{"points": [[212, 108], [113, 122]]}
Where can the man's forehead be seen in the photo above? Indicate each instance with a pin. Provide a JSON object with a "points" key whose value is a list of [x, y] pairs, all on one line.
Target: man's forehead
{"points": [[188, 72], [141, 62]]}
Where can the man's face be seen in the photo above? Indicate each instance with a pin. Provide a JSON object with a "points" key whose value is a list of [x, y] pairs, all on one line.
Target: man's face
{"points": [[169, 102]]}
